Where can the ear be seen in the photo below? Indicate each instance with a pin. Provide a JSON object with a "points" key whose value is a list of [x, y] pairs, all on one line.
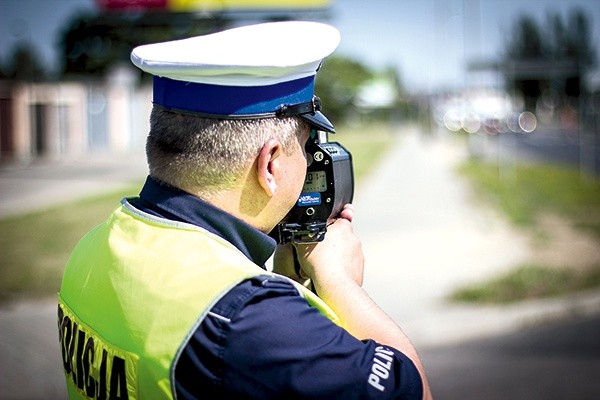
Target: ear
{"points": [[269, 166]]}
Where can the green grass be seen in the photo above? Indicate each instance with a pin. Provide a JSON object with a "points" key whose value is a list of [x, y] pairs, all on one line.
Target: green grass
{"points": [[523, 194], [528, 282], [537, 188], [366, 144], [35, 247]]}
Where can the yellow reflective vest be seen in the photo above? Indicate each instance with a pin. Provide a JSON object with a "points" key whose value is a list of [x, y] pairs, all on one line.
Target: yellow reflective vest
{"points": [[134, 289]]}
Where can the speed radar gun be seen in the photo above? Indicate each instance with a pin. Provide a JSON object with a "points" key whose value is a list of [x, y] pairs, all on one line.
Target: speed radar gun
{"points": [[328, 186]]}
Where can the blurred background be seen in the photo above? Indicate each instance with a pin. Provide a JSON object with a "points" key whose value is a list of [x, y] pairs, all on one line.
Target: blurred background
{"points": [[475, 132]]}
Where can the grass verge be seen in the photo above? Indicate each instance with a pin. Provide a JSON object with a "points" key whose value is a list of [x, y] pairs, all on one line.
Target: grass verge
{"points": [[536, 188], [529, 282], [35, 247], [366, 144], [522, 196]]}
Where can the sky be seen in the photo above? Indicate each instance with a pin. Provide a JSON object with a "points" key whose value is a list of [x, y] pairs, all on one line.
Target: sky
{"points": [[428, 41]]}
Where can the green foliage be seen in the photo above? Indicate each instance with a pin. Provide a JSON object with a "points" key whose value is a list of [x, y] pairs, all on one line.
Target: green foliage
{"points": [[337, 84], [24, 64], [529, 282], [92, 43], [527, 40]]}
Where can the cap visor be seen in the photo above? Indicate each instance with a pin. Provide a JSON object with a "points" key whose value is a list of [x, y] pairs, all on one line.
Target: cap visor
{"points": [[318, 120]]}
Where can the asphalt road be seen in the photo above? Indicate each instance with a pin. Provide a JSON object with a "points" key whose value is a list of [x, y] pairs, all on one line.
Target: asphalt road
{"points": [[555, 361]]}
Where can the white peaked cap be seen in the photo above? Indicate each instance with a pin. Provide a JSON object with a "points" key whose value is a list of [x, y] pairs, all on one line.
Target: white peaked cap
{"points": [[242, 72], [251, 55]]}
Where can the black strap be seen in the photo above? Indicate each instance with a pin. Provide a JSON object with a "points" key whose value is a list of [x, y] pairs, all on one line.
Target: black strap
{"points": [[302, 108]]}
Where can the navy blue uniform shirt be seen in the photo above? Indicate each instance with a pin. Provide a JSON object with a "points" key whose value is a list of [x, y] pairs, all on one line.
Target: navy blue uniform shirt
{"points": [[262, 340]]}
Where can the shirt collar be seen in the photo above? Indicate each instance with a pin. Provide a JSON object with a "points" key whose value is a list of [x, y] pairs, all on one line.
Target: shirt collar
{"points": [[175, 204]]}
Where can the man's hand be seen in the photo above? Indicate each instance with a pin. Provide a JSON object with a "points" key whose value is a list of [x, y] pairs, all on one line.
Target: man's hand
{"points": [[283, 260], [338, 258]]}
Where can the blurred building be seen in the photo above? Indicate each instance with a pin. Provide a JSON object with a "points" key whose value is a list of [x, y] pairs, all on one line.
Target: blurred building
{"points": [[73, 119]]}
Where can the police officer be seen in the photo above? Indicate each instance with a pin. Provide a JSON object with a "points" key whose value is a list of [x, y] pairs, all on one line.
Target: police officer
{"points": [[170, 297]]}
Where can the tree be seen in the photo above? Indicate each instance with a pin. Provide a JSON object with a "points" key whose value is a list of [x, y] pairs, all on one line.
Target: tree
{"points": [[580, 49], [337, 85], [526, 42], [526, 46], [554, 57], [91, 43], [24, 64]]}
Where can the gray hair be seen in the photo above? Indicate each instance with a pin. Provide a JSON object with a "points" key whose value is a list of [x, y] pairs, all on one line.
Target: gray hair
{"points": [[206, 155]]}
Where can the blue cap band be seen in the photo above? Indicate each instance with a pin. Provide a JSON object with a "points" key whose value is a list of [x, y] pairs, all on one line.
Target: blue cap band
{"points": [[231, 100]]}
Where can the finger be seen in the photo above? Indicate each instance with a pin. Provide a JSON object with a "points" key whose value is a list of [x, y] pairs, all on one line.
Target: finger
{"points": [[347, 212]]}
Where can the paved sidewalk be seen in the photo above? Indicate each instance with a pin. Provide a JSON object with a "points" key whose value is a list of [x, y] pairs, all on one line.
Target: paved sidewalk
{"points": [[26, 188], [422, 237]]}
